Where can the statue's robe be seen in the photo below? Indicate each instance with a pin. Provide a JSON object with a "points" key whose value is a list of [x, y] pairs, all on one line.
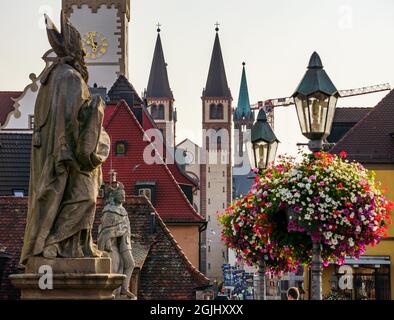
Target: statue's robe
{"points": [[69, 146], [114, 236]]}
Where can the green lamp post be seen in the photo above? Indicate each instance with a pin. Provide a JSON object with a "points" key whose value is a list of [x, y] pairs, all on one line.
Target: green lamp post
{"points": [[315, 99], [265, 146]]}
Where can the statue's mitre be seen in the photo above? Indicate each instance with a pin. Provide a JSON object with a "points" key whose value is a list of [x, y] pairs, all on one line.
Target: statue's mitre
{"points": [[68, 43]]}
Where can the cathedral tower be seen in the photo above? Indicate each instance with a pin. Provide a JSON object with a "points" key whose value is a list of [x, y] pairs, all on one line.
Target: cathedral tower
{"points": [[216, 170]]}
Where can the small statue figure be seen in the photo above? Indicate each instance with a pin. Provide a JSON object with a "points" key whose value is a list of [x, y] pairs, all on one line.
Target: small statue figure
{"points": [[115, 236], [69, 147]]}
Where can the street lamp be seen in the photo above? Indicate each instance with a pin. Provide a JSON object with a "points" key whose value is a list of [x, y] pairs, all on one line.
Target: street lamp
{"points": [[265, 143], [315, 99]]}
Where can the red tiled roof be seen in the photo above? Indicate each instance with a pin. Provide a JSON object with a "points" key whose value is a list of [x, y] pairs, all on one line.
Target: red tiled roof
{"points": [[371, 140], [6, 104], [350, 115], [148, 123], [171, 202], [166, 273]]}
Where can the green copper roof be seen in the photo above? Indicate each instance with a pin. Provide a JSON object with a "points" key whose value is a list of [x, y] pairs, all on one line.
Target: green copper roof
{"points": [[243, 108], [315, 79]]}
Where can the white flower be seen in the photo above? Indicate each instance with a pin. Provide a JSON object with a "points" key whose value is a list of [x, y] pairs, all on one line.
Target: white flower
{"points": [[358, 229], [351, 242]]}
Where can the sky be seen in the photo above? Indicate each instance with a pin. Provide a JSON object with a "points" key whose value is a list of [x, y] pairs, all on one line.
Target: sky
{"points": [[354, 39]]}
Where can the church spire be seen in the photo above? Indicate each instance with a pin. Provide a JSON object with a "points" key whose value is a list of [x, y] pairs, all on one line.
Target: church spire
{"points": [[243, 110], [158, 85], [217, 85]]}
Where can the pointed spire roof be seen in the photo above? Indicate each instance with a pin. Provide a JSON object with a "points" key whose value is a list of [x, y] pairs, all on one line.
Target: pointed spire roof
{"points": [[158, 85], [217, 85], [243, 110], [123, 89]]}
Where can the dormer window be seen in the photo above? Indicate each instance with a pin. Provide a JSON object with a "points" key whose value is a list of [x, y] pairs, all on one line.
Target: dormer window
{"points": [[147, 189], [120, 148]]}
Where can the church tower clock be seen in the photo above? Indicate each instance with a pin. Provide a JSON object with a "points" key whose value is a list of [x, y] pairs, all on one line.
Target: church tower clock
{"points": [[103, 25]]}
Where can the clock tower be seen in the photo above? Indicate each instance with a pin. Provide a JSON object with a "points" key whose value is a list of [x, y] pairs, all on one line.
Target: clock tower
{"points": [[103, 25]]}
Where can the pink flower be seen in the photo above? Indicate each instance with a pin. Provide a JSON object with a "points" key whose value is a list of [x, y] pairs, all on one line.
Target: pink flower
{"points": [[312, 177], [322, 183]]}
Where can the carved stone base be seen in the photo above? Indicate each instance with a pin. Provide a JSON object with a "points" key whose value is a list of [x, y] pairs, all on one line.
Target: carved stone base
{"points": [[73, 279]]}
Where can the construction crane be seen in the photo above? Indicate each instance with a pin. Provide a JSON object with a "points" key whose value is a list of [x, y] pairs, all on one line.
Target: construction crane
{"points": [[270, 104]]}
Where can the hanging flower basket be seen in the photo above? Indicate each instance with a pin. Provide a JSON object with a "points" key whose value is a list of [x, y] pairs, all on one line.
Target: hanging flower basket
{"points": [[323, 197]]}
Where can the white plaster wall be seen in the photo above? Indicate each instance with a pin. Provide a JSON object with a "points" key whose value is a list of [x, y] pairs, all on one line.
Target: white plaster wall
{"points": [[216, 203], [193, 167], [27, 104], [104, 76]]}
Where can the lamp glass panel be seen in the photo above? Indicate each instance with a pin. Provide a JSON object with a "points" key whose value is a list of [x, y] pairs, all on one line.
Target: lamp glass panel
{"points": [[273, 148], [330, 115], [302, 113], [260, 154], [318, 110]]}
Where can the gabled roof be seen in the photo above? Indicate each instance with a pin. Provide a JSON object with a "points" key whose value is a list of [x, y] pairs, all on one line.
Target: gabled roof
{"points": [[243, 110], [15, 150], [6, 104], [171, 202], [123, 89], [158, 85], [371, 140], [350, 115], [217, 85], [148, 123]]}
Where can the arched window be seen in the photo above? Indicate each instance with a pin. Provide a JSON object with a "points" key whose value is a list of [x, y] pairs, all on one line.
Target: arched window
{"points": [[160, 112], [153, 111], [212, 111], [220, 111], [216, 112]]}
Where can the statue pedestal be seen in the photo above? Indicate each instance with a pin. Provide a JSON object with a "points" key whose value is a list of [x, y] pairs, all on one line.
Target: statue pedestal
{"points": [[72, 279]]}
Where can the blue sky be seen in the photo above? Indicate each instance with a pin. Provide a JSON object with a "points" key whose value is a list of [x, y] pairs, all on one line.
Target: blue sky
{"points": [[274, 38]]}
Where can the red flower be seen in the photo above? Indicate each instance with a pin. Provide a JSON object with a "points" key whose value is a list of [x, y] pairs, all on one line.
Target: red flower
{"points": [[343, 154], [340, 185], [366, 188]]}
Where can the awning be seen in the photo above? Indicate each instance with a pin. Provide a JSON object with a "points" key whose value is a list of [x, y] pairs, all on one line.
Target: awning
{"points": [[368, 260]]}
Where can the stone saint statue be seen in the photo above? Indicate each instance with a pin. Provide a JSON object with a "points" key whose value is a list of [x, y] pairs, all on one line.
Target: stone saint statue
{"points": [[69, 146], [114, 236]]}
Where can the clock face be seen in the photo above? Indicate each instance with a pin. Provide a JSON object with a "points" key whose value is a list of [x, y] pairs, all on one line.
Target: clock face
{"points": [[95, 45], [189, 157]]}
